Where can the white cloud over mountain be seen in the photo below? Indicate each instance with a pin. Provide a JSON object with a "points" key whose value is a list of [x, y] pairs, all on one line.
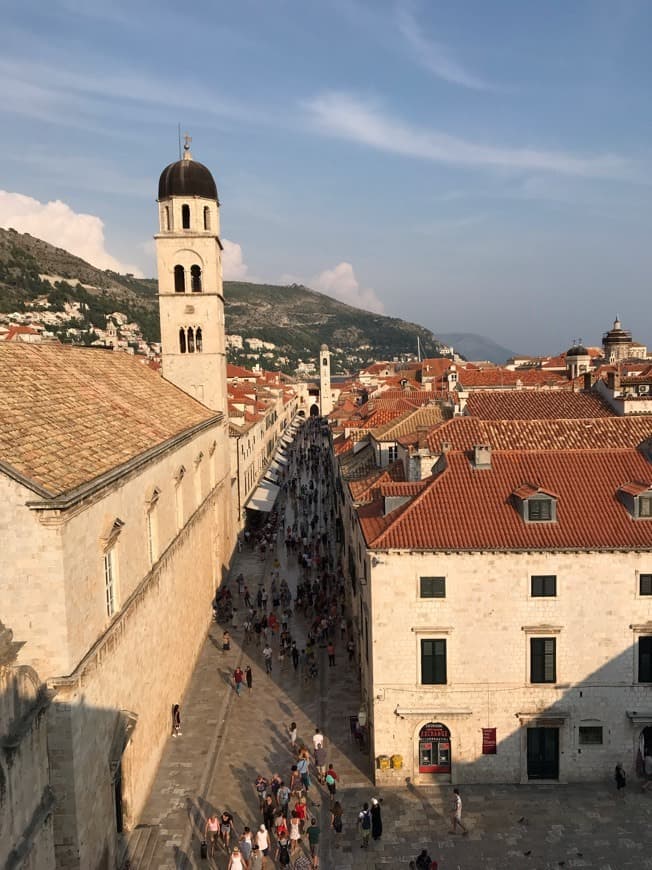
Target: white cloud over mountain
{"points": [[341, 282], [55, 222]]}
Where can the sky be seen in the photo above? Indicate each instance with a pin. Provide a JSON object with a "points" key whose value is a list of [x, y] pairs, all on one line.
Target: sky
{"points": [[473, 167]]}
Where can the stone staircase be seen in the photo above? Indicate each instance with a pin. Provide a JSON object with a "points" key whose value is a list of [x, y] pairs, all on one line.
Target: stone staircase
{"points": [[141, 846]]}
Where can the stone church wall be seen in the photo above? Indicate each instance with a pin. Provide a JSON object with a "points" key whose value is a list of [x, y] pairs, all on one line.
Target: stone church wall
{"points": [[26, 830]]}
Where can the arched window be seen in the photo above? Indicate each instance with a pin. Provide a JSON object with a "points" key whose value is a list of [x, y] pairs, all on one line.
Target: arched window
{"points": [[182, 340], [195, 279], [185, 217], [198, 340], [207, 218], [191, 340], [166, 217], [325, 363], [179, 279]]}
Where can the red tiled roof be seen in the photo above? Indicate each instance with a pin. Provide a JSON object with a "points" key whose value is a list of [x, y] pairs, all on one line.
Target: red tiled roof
{"points": [[465, 508], [362, 487], [498, 377], [635, 487], [20, 330], [462, 433], [436, 367], [535, 405], [239, 372]]}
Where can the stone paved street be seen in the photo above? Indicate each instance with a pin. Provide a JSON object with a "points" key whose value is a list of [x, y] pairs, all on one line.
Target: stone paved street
{"points": [[227, 740]]}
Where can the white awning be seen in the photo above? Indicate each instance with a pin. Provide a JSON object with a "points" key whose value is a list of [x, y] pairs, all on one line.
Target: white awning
{"points": [[272, 474], [279, 458], [263, 497]]}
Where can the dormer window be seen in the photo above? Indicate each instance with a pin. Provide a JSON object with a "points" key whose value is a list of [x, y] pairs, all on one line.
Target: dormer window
{"points": [[535, 505], [637, 498]]}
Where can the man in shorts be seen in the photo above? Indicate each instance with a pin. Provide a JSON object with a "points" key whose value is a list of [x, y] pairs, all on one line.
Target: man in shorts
{"points": [[456, 813], [364, 824]]}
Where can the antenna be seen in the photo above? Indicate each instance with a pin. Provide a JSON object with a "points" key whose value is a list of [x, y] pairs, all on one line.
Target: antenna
{"points": [[179, 138]]}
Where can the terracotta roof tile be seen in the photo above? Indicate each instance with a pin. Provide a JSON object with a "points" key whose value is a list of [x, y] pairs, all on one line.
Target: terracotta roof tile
{"points": [[70, 414], [465, 508], [408, 423], [535, 405], [462, 433]]}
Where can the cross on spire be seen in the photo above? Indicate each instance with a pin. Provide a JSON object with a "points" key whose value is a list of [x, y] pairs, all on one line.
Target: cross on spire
{"points": [[187, 139]]}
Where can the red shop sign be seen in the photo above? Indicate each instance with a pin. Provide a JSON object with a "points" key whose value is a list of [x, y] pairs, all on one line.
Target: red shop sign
{"points": [[488, 741]]}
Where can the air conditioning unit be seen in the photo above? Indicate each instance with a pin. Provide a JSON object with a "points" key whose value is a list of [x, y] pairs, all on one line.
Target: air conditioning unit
{"points": [[643, 389]]}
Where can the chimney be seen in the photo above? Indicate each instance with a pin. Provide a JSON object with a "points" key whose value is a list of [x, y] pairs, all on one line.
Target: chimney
{"points": [[482, 455], [422, 437], [613, 381], [588, 380]]}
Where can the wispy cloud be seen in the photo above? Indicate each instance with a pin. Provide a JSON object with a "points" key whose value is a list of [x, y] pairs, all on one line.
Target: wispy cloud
{"points": [[433, 56], [346, 116]]}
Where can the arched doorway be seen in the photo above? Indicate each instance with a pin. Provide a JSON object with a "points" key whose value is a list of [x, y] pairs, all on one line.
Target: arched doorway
{"points": [[314, 410], [435, 749]]}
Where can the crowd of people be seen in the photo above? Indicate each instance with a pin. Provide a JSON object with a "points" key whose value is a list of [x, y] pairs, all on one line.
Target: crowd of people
{"points": [[287, 627]]}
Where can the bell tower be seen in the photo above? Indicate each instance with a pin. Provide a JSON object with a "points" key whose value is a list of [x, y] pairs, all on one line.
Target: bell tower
{"points": [[190, 295], [325, 396]]}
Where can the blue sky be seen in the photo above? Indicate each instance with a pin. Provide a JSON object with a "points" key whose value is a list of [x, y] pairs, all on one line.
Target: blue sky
{"points": [[479, 167]]}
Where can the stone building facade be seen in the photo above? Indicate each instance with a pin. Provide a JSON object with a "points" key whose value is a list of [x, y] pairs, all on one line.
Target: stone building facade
{"points": [[116, 529], [503, 603]]}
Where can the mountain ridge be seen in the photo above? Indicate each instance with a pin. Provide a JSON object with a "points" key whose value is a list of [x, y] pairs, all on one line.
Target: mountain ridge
{"points": [[296, 319]]}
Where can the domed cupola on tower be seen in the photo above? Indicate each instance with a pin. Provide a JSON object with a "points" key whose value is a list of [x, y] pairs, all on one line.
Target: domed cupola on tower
{"points": [[191, 302], [578, 360]]}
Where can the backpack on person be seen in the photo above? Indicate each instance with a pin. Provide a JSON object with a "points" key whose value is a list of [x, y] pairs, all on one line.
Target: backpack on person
{"points": [[283, 855], [365, 819]]}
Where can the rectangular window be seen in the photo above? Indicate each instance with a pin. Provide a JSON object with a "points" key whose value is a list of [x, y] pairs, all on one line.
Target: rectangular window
{"points": [[645, 584], [543, 660], [109, 582], [178, 495], [645, 659], [590, 735], [432, 587], [433, 662], [392, 453], [151, 536], [539, 510], [645, 505], [543, 585]]}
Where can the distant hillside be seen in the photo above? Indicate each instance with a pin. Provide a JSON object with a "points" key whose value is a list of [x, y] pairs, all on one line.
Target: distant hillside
{"points": [[296, 319], [476, 347]]}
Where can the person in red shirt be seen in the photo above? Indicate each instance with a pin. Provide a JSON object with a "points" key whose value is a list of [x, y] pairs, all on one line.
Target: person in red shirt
{"points": [[238, 679]]}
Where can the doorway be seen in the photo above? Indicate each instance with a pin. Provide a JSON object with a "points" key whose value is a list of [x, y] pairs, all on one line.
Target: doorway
{"points": [[543, 753], [117, 796], [435, 749], [314, 410]]}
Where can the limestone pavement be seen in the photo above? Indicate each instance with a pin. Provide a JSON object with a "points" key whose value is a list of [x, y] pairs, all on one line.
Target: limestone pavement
{"points": [[228, 740]]}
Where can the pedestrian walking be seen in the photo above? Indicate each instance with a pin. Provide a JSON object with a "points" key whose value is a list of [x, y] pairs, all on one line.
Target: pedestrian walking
{"points": [[376, 820], [330, 649], [176, 721], [456, 813], [262, 839], [331, 780], [226, 828], [292, 731], [320, 763], [350, 648], [226, 642], [237, 860], [314, 832], [364, 825], [238, 680], [256, 860], [317, 738], [267, 655], [336, 817], [283, 851], [249, 677], [302, 769], [621, 779], [246, 843], [212, 831]]}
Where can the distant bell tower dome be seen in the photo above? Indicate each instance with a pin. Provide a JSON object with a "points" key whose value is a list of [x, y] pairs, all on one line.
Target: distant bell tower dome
{"points": [[190, 295]]}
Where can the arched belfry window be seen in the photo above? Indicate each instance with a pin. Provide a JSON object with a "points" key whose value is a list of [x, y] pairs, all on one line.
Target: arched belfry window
{"points": [[191, 340], [195, 279], [207, 218], [166, 217], [179, 279], [185, 217], [325, 363], [198, 340], [182, 340]]}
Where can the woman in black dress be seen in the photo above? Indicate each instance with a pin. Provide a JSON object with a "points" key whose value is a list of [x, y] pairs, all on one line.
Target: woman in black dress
{"points": [[376, 820]]}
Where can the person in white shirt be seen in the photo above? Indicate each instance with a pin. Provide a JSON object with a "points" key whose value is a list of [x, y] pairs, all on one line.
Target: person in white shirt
{"points": [[317, 738], [262, 841]]}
